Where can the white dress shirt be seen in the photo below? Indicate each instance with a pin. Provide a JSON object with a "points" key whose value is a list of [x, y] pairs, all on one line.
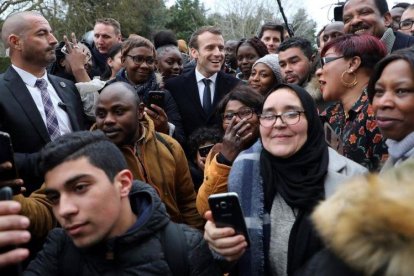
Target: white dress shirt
{"points": [[200, 85], [30, 81]]}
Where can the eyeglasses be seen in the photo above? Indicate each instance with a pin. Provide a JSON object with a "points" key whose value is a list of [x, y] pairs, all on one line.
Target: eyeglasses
{"points": [[326, 60], [406, 24], [140, 59], [245, 113], [289, 118]]}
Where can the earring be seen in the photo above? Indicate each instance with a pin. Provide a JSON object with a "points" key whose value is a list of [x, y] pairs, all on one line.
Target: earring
{"points": [[351, 83]]}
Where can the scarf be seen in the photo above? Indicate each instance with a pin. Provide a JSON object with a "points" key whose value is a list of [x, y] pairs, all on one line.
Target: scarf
{"points": [[401, 149], [299, 179], [142, 89]]}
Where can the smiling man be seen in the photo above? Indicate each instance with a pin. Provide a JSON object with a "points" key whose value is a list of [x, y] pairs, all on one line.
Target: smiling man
{"points": [[373, 17], [197, 92], [153, 157], [111, 224]]}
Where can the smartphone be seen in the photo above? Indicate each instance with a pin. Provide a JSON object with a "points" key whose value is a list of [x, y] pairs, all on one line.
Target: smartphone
{"points": [[333, 139], [204, 150], [6, 154], [157, 98], [6, 193], [228, 213]]}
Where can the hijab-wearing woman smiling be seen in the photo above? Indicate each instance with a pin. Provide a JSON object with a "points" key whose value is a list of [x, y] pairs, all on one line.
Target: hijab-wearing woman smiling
{"points": [[347, 63], [279, 180]]}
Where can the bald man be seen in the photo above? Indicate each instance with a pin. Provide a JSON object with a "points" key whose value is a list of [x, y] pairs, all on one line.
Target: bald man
{"points": [[35, 107], [331, 31]]}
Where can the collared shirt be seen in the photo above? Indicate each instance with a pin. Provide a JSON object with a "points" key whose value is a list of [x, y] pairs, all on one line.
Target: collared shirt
{"points": [[30, 81], [359, 133], [200, 85]]}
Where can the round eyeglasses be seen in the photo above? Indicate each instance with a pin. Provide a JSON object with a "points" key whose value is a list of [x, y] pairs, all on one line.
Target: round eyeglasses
{"points": [[288, 118], [245, 113]]}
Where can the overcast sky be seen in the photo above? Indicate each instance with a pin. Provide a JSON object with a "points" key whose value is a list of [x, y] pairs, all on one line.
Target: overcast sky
{"points": [[320, 10]]}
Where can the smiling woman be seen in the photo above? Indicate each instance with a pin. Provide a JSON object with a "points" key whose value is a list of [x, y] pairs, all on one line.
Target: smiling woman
{"points": [[279, 181], [391, 91], [138, 58]]}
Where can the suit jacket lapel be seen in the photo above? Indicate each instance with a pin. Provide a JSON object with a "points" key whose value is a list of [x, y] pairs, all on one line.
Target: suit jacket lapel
{"points": [[63, 95], [22, 95]]}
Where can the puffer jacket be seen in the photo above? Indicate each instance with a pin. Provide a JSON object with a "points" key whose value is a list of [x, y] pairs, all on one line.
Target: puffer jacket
{"points": [[138, 252], [163, 165]]}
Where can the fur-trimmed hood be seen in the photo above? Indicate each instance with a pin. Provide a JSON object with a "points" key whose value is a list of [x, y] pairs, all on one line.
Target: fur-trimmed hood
{"points": [[369, 222]]}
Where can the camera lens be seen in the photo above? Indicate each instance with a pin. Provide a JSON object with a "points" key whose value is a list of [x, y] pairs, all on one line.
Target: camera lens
{"points": [[223, 205]]}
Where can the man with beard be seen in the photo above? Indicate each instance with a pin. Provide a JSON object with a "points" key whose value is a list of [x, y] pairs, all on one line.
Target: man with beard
{"points": [[35, 107], [295, 59], [373, 17]]}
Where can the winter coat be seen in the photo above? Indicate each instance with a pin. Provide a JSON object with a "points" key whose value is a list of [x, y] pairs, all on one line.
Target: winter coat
{"points": [[137, 252]]}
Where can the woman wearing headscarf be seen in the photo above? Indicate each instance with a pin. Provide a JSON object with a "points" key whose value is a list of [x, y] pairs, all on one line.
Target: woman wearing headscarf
{"points": [[279, 181], [265, 74]]}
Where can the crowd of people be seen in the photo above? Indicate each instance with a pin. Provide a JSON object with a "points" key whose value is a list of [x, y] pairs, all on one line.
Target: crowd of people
{"points": [[119, 142]]}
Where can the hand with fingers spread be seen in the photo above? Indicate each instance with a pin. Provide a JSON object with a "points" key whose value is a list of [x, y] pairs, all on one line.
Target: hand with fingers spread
{"points": [[78, 56], [223, 240], [13, 183], [12, 232], [235, 138], [159, 117]]}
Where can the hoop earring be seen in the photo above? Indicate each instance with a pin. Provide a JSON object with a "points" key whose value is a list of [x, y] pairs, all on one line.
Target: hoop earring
{"points": [[349, 84]]}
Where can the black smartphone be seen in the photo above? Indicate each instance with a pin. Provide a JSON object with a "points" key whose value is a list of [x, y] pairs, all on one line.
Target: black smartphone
{"points": [[228, 213], [6, 154], [157, 98], [204, 150], [6, 193]]}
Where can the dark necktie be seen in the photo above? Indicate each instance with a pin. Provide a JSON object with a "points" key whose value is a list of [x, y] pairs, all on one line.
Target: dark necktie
{"points": [[52, 124], [207, 96]]}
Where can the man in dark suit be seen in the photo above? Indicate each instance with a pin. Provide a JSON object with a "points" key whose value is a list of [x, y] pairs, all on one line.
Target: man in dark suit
{"points": [[196, 101], [35, 107]]}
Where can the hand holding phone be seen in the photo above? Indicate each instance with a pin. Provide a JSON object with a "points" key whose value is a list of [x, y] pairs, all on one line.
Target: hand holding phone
{"points": [[204, 150], [157, 98], [8, 171], [227, 212]]}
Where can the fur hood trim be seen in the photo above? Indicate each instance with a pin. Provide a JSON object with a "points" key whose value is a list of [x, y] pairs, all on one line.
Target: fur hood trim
{"points": [[369, 222], [313, 88]]}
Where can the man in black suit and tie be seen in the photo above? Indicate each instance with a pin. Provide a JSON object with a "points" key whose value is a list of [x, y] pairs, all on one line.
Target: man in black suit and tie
{"points": [[198, 91], [35, 107]]}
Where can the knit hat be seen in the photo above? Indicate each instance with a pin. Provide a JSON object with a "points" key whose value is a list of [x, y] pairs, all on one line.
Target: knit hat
{"points": [[272, 61]]}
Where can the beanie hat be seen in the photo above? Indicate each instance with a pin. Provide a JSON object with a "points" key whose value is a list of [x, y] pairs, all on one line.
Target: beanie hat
{"points": [[272, 61]]}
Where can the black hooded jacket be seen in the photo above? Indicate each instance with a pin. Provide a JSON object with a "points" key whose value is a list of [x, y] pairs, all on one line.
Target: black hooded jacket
{"points": [[137, 252]]}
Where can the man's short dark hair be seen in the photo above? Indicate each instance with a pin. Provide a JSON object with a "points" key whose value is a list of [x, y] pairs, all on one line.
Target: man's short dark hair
{"points": [[194, 37], [382, 6], [297, 42], [272, 27], [95, 146], [111, 22], [402, 5]]}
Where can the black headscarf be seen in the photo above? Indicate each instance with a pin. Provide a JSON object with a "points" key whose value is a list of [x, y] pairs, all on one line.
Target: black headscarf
{"points": [[299, 179]]}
